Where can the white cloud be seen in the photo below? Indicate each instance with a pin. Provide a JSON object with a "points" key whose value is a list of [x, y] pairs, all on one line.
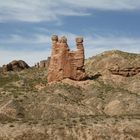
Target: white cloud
{"points": [[22, 39], [35, 10], [93, 45], [100, 43], [50, 10], [30, 57], [106, 4]]}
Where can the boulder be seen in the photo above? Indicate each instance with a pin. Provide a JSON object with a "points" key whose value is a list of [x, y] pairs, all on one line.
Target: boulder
{"points": [[16, 65]]}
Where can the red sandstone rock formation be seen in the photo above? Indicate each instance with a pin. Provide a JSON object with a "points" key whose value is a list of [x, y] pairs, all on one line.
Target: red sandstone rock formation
{"points": [[43, 63], [65, 63], [126, 72]]}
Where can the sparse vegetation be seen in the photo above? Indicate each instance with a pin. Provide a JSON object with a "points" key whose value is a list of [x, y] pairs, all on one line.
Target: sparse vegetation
{"points": [[101, 108]]}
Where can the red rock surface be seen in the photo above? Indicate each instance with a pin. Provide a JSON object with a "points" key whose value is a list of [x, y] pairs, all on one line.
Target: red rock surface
{"points": [[43, 63], [126, 72], [65, 63]]}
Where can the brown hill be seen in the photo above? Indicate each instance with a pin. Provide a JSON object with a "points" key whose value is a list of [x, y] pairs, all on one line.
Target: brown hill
{"points": [[104, 107], [102, 63]]}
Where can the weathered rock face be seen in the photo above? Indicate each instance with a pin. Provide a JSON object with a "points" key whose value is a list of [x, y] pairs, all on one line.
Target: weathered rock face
{"points": [[43, 63], [15, 66], [65, 63], [126, 72]]}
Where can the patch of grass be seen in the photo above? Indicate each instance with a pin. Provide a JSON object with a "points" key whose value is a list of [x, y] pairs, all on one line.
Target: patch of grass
{"points": [[8, 79]]}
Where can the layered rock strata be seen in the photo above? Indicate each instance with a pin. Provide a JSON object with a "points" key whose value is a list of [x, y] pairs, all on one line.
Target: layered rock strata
{"points": [[126, 72]]}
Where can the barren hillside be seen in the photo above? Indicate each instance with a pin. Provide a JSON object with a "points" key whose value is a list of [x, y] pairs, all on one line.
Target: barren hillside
{"points": [[103, 107]]}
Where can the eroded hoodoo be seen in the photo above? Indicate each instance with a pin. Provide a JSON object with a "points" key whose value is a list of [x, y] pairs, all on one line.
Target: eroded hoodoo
{"points": [[65, 63]]}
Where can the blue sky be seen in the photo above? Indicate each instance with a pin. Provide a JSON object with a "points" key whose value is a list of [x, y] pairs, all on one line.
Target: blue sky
{"points": [[26, 26]]}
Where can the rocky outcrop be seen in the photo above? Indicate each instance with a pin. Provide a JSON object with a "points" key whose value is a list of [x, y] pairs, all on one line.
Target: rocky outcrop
{"points": [[15, 66], [43, 63], [65, 63], [126, 72], [113, 60]]}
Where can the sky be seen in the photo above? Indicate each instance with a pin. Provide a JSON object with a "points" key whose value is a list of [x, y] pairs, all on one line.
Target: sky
{"points": [[26, 27]]}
